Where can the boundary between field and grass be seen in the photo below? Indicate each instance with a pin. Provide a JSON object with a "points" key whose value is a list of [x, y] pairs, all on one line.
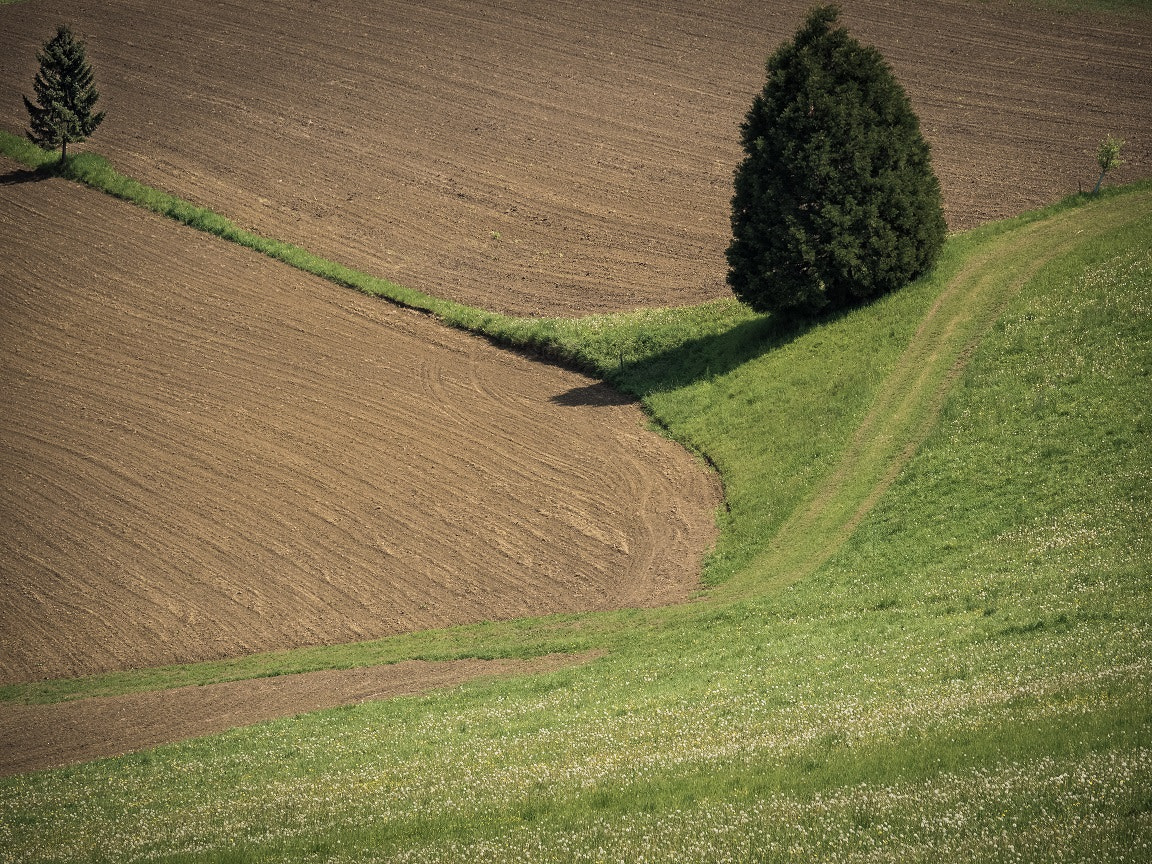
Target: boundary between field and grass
{"points": [[554, 339], [904, 411], [94, 171]]}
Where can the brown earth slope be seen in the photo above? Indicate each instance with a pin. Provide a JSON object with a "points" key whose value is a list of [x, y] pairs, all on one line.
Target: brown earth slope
{"points": [[564, 157], [204, 453]]}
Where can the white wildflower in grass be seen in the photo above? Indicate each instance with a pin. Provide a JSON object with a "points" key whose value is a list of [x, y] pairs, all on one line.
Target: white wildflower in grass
{"points": [[1085, 812]]}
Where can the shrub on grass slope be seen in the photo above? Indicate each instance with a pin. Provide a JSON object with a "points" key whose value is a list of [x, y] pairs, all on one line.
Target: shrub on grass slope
{"points": [[835, 201]]}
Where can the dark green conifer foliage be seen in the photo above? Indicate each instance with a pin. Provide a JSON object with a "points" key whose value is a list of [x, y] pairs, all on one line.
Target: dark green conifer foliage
{"points": [[835, 201], [65, 95]]}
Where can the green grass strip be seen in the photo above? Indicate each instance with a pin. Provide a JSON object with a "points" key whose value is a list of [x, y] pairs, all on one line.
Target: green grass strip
{"points": [[518, 639], [94, 170], [560, 340], [637, 351]]}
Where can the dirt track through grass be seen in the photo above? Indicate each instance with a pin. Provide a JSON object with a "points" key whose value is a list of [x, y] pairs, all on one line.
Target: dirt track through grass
{"points": [[44, 736], [909, 404]]}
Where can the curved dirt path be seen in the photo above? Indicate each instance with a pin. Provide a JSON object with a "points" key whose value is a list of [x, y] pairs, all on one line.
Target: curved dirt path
{"points": [[566, 157], [908, 405], [33, 737], [205, 454]]}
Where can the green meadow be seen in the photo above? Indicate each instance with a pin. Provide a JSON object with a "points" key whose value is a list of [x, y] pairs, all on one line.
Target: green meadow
{"points": [[923, 635]]}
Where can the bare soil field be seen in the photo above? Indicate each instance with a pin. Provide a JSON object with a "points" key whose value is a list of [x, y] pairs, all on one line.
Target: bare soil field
{"points": [[204, 454], [566, 157]]}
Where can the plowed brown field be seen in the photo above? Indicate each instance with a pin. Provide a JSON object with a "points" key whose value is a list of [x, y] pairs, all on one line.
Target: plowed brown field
{"points": [[204, 453], [564, 157]]}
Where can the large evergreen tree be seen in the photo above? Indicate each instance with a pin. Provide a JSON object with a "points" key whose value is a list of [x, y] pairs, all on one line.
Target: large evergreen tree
{"points": [[835, 201], [65, 95]]}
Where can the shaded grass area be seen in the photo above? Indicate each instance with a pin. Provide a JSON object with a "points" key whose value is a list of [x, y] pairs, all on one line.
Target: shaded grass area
{"points": [[963, 678]]}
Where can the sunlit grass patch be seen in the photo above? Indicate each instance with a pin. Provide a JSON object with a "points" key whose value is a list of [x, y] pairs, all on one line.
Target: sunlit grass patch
{"points": [[989, 815], [1036, 489]]}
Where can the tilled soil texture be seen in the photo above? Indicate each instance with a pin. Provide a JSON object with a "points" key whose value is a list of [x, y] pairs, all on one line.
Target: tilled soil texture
{"points": [[566, 157], [204, 453], [33, 737]]}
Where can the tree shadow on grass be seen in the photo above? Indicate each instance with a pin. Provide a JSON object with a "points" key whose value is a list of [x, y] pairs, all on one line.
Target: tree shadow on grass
{"points": [[643, 372], [712, 355]]}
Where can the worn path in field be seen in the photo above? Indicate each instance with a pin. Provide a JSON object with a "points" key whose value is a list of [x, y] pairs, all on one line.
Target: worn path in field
{"points": [[33, 737], [908, 404], [205, 454], [566, 157]]}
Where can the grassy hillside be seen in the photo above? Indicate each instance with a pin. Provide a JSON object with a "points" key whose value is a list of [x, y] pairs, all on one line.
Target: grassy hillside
{"points": [[926, 636]]}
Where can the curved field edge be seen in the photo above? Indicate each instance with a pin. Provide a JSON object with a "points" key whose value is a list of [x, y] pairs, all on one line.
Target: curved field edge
{"points": [[965, 679], [95, 171], [690, 366], [361, 456]]}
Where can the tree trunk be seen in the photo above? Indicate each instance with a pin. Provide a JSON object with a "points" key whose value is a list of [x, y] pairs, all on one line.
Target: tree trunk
{"points": [[1096, 188]]}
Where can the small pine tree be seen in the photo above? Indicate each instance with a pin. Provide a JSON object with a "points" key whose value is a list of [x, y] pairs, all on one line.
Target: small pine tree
{"points": [[65, 95], [835, 201]]}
